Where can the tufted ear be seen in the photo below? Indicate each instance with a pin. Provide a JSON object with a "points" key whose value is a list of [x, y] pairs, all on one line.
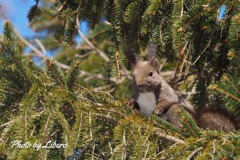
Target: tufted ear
{"points": [[152, 49], [155, 64]]}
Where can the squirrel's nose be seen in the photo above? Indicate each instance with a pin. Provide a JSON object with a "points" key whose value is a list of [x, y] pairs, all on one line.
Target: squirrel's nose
{"points": [[140, 84]]}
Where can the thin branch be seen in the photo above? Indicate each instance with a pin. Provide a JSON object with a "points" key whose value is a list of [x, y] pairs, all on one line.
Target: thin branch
{"points": [[118, 64], [209, 42], [178, 68], [194, 152], [46, 25], [182, 10], [41, 46], [101, 53], [37, 52], [214, 146], [168, 137], [124, 144], [83, 56], [79, 129], [6, 124], [184, 58], [90, 125], [61, 7], [111, 111]]}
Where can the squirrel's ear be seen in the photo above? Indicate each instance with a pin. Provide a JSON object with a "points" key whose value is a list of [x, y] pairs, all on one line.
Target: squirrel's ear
{"points": [[152, 49], [155, 63]]}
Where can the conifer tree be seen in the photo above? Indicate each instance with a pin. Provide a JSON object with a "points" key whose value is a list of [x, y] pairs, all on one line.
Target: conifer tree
{"points": [[74, 99]]}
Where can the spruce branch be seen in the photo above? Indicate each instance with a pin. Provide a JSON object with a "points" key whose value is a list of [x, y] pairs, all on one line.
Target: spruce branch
{"points": [[55, 71], [230, 82], [181, 29], [41, 54], [215, 87]]}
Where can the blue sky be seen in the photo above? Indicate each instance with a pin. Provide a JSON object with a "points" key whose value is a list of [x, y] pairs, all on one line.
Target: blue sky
{"points": [[16, 12]]}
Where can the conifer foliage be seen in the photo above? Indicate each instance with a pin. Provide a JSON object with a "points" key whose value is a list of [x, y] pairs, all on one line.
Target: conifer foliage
{"points": [[51, 104]]}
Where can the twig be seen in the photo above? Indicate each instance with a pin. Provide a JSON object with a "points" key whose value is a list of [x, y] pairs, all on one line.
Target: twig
{"points": [[179, 67], [103, 88], [6, 124], [168, 137], [214, 147], [182, 10], [26, 123], [79, 129], [209, 42], [185, 62], [50, 23], [93, 150], [111, 111], [90, 125], [83, 56], [107, 22], [101, 53], [194, 152], [111, 149], [61, 7], [118, 64], [39, 53], [46, 125], [41, 46], [124, 144]]}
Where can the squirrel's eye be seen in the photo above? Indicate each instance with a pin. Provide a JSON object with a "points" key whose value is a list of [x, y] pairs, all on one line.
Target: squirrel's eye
{"points": [[150, 74]]}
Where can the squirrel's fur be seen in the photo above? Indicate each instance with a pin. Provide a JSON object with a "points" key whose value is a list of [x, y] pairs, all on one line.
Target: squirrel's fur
{"points": [[152, 94]]}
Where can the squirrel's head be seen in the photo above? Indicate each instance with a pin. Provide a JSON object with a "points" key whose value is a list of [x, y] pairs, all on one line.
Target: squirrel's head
{"points": [[146, 75]]}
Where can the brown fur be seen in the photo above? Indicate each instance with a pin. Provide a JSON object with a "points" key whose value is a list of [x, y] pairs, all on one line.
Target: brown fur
{"points": [[147, 79], [165, 95], [215, 120]]}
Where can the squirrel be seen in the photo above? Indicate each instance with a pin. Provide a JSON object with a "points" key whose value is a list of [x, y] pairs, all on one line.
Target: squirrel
{"points": [[151, 94]]}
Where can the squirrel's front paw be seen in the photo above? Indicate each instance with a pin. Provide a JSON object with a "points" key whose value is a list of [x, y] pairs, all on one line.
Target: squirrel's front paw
{"points": [[158, 111], [130, 104]]}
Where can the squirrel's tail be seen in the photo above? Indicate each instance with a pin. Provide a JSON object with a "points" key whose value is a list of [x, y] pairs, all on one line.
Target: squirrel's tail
{"points": [[188, 106], [209, 118], [215, 120]]}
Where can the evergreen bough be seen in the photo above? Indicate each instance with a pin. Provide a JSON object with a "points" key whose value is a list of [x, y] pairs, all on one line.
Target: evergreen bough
{"points": [[38, 104]]}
